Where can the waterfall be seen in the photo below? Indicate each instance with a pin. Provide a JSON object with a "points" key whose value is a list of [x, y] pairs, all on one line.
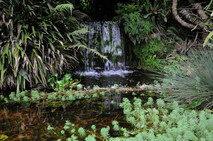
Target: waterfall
{"points": [[106, 38]]}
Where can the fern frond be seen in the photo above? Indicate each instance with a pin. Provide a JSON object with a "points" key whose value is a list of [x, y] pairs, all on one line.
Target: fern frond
{"points": [[68, 7], [90, 50], [79, 32]]}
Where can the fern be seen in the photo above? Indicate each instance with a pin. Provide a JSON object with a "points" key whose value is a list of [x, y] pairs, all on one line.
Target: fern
{"points": [[136, 27], [90, 50], [64, 8], [79, 32]]}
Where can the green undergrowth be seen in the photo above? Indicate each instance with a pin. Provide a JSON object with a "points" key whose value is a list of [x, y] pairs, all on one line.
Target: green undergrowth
{"points": [[151, 55], [149, 121]]}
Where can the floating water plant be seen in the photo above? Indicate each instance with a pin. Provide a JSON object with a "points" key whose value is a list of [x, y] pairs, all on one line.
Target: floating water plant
{"points": [[90, 138], [81, 132], [115, 125], [93, 127], [105, 132]]}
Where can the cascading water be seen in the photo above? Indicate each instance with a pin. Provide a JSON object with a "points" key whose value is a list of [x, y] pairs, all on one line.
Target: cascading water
{"points": [[106, 38]]}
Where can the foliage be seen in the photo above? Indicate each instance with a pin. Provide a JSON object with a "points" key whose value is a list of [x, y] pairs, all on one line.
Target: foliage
{"points": [[66, 83], [3, 137], [143, 23], [148, 123], [174, 65], [151, 55], [207, 22], [37, 40], [136, 28], [195, 86], [64, 8], [127, 9]]}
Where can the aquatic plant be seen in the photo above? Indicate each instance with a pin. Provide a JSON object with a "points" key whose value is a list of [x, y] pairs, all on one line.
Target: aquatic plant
{"points": [[62, 131], [90, 138], [81, 132], [116, 85], [160, 103], [50, 128], [150, 123], [74, 138], [102, 93], [95, 95], [93, 127], [3, 137], [96, 87], [115, 125], [117, 91], [133, 93], [105, 132], [66, 83], [79, 87], [150, 101]]}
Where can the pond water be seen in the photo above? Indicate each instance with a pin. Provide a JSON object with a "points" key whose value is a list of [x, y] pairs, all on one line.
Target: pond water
{"points": [[31, 123], [124, 78]]}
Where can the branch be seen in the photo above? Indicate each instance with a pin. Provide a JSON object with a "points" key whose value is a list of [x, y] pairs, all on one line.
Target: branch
{"points": [[177, 17]]}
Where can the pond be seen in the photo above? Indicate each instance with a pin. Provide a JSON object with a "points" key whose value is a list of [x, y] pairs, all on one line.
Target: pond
{"points": [[29, 122], [124, 78]]}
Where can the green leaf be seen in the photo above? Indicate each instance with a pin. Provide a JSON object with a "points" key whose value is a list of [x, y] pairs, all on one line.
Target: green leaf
{"points": [[3, 137], [207, 39], [52, 46], [195, 27], [23, 73], [33, 28], [64, 7], [196, 103], [147, 15]]}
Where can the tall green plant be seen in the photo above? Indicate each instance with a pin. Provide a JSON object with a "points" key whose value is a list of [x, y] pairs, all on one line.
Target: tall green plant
{"points": [[193, 88], [36, 40]]}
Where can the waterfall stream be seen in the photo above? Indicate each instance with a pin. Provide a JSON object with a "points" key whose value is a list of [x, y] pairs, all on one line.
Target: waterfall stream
{"points": [[106, 38]]}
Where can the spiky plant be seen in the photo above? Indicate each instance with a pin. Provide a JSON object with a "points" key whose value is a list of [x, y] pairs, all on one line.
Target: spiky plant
{"points": [[36, 40], [194, 88]]}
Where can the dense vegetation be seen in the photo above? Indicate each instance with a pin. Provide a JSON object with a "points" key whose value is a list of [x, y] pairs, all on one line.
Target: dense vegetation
{"points": [[37, 40], [41, 40]]}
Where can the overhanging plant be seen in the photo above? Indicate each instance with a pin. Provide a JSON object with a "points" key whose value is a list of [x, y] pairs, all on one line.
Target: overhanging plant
{"points": [[36, 40]]}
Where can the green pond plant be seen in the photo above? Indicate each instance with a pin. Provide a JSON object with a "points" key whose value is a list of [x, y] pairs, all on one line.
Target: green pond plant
{"points": [[66, 83], [150, 123]]}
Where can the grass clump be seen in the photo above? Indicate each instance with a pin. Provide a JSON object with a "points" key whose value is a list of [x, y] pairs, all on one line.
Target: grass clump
{"points": [[193, 88]]}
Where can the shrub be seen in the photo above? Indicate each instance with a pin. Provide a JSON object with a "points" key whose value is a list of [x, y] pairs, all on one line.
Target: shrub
{"points": [[151, 54], [37, 40]]}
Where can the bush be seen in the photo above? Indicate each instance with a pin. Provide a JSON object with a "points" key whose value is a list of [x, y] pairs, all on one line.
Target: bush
{"points": [[151, 55], [36, 41], [195, 87]]}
